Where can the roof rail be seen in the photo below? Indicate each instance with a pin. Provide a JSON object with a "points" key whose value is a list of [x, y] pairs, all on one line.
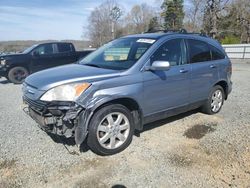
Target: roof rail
{"points": [[180, 31], [167, 31]]}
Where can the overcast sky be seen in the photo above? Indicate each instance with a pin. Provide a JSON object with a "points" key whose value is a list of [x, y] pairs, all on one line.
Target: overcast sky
{"points": [[49, 19]]}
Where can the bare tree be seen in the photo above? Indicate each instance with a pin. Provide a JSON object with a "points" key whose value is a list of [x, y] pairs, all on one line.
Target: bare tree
{"points": [[102, 21], [194, 14], [138, 19], [212, 13], [242, 8]]}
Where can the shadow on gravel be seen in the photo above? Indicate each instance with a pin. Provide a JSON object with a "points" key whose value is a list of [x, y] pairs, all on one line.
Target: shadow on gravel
{"points": [[5, 82], [118, 186], [68, 142], [160, 123]]}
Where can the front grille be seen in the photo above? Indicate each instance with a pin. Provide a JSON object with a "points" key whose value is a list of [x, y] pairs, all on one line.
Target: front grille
{"points": [[36, 105]]}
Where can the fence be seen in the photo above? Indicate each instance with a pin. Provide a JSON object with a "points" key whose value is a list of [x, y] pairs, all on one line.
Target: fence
{"points": [[238, 51]]}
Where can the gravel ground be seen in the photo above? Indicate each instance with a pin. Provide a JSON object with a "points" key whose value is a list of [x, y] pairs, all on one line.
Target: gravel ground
{"points": [[189, 150]]}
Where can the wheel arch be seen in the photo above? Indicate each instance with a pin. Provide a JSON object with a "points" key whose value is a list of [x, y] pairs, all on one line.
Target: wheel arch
{"points": [[81, 131], [129, 103], [224, 85], [18, 65]]}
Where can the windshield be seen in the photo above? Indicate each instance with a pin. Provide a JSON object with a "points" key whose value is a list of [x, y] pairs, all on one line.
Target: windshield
{"points": [[120, 54], [30, 49]]}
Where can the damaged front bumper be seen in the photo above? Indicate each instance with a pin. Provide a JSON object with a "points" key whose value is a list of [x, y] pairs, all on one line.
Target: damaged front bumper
{"points": [[60, 118], [3, 72]]}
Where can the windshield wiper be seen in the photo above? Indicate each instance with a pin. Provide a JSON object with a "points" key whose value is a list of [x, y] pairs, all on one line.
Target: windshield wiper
{"points": [[91, 65]]}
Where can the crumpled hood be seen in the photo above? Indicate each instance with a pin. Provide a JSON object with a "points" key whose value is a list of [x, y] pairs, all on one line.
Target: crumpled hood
{"points": [[50, 78]]}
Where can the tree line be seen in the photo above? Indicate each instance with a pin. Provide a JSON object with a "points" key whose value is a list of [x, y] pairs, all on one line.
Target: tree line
{"points": [[225, 20]]}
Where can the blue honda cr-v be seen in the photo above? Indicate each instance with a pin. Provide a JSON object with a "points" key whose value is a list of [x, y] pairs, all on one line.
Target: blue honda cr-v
{"points": [[128, 83]]}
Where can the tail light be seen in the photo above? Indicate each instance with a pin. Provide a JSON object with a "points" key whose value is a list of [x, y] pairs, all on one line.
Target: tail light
{"points": [[229, 69]]}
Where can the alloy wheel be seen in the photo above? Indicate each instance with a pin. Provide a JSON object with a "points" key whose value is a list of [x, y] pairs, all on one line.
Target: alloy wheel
{"points": [[217, 100], [113, 131]]}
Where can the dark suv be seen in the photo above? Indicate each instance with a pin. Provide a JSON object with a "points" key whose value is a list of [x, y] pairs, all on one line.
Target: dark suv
{"points": [[128, 83]]}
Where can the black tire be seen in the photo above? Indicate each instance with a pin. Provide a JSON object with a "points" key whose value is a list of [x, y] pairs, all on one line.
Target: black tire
{"points": [[17, 75], [98, 118], [207, 107]]}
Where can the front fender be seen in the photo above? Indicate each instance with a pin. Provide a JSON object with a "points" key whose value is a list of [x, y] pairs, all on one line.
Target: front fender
{"points": [[93, 104]]}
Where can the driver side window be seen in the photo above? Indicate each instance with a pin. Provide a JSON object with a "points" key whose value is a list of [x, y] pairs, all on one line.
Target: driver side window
{"points": [[172, 51], [45, 49]]}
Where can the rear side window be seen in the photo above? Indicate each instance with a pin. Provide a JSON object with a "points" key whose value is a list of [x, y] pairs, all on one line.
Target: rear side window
{"points": [[64, 47], [216, 53], [198, 51]]}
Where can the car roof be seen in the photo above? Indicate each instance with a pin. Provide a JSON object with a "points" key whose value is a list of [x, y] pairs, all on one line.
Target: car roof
{"points": [[54, 42], [196, 36], [147, 35], [160, 35]]}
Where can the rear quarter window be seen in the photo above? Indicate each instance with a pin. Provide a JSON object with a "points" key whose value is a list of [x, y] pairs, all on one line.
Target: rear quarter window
{"points": [[216, 53], [62, 48]]}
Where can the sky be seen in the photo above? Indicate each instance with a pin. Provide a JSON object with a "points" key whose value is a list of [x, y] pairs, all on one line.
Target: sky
{"points": [[49, 19]]}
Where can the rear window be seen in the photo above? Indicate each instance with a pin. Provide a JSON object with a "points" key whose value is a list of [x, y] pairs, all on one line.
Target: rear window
{"points": [[64, 47], [198, 51]]}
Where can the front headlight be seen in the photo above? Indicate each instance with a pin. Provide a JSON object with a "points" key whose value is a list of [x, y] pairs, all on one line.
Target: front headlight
{"points": [[3, 62], [69, 92]]}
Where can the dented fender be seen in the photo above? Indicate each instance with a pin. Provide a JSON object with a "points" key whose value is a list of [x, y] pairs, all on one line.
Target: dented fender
{"points": [[81, 130], [102, 93], [85, 116]]}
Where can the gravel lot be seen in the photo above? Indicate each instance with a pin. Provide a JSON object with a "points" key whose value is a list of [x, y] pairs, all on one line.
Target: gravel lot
{"points": [[189, 150]]}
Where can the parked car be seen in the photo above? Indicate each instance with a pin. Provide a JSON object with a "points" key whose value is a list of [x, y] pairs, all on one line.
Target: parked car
{"points": [[16, 67], [128, 83]]}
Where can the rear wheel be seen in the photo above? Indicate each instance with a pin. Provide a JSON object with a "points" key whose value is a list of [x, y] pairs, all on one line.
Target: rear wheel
{"points": [[17, 75], [111, 130], [215, 101]]}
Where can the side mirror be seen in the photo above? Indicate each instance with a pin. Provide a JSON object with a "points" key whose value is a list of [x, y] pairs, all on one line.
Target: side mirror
{"points": [[160, 66]]}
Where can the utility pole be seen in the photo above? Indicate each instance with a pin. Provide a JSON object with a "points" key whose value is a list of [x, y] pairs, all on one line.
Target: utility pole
{"points": [[115, 14]]}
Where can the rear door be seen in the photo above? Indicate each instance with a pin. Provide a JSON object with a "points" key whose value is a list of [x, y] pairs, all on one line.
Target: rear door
{"points": [[204, 70], [66, 53], [169, 89]]}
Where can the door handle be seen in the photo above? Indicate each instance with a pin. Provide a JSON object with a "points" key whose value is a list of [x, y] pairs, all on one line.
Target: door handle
{"points": [[183, 71], [213, 66]]}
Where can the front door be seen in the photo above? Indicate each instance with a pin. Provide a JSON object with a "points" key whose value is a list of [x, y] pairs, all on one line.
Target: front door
{"points": [[44, 57], [169, 89]]}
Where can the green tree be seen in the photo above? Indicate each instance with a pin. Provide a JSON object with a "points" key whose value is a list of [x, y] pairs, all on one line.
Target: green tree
{"points": [[173, 14], [154, 24]]}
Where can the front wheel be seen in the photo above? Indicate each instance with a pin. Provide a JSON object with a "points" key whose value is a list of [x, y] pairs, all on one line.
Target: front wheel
{"points": [[17, 75], [111, 130], [215, 101]]}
